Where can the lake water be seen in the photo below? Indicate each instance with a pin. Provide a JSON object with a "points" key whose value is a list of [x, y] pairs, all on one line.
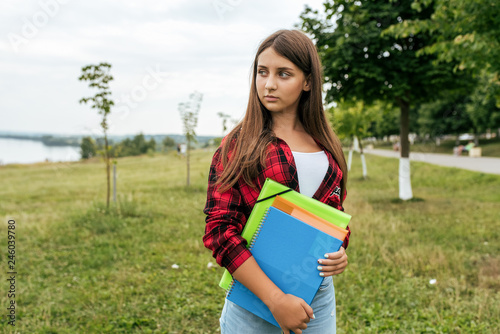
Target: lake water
{"points": [[30, 151]]}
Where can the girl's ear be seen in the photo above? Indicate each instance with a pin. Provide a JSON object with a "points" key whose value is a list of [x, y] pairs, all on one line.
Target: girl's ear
{"points": [[307, 84]]}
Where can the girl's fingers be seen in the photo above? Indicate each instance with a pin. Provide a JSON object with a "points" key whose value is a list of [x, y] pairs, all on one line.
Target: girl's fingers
{"points": [[329, 269], [333, 264], [334, 258], [336, 255], [326, 272]]}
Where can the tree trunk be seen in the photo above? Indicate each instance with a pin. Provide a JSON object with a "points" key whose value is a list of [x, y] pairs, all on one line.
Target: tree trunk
{"points": [[356, 144], [405, 191], [349, 159], [363, 161], [404, 129], [108, 172]]}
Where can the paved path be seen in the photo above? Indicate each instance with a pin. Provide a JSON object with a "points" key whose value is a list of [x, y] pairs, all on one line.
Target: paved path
{"points": [[482, 164]]}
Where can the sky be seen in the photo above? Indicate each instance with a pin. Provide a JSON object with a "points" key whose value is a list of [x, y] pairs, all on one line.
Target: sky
{"points": [[160, 52]]}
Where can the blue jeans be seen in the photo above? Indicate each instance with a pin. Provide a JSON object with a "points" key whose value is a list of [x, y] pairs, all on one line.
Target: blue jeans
{"points": [[236, 320]]}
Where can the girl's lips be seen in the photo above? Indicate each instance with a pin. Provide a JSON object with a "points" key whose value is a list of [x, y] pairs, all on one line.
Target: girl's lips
{"points": [[270, 98]]}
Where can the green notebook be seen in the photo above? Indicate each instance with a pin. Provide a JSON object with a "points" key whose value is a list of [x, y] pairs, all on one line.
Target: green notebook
{"points": [[270, 190]]}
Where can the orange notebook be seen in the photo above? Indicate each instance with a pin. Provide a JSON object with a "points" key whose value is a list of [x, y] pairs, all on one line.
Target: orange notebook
{"points": [[309, 218]]}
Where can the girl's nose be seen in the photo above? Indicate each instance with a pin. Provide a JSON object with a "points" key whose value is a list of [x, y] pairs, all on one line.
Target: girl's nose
{"points": [[271, 83]]}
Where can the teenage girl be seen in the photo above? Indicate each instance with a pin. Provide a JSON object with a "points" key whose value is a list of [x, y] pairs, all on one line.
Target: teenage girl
{"points": [[284, 136]]}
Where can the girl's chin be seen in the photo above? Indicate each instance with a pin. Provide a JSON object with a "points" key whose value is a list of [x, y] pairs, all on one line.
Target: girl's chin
{"points": [[279, 110], [274, 107]]}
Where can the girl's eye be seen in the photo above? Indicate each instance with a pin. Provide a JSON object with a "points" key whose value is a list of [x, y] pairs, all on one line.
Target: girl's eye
{"points": [[284, 74], [261, 72]]}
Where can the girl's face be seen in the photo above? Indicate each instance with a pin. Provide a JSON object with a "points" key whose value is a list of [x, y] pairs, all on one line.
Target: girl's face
{"points": [[279, 82]]}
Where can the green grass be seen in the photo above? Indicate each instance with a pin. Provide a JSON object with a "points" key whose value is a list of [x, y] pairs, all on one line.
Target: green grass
{"points": [[489, 147], [84, 269]]}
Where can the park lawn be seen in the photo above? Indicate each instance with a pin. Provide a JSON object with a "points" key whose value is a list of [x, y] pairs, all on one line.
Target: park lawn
{"points": [[84, 269]]}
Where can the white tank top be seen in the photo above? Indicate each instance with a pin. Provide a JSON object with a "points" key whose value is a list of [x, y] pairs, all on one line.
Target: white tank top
{"points": [[311, 170]]}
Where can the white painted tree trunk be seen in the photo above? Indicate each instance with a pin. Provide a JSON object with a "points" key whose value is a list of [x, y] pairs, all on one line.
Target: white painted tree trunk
{"points": [[349, 160], [405, 192], [363, 162], [355, 144]]}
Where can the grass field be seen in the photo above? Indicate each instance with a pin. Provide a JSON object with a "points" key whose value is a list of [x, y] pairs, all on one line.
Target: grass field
{"points": [[84, 269]]}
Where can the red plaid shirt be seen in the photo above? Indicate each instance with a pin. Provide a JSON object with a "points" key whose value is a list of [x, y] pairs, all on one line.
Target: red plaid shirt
{"points": [[228, 212]]}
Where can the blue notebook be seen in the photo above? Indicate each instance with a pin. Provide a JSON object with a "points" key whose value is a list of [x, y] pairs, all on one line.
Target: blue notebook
{"points": [[287, 250]]}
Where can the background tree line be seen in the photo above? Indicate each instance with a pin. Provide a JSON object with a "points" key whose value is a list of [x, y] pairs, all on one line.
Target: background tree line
{"points": [[138, 145]]}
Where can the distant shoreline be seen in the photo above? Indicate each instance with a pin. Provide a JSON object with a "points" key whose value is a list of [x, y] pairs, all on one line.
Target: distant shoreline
{"points": [[47, 139], [75, 140]]}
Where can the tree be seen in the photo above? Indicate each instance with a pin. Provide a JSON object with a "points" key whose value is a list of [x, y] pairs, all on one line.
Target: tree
{"points": [[352, 120], [444, 116], [362, 61], [135, 146], [482, 108], [99, 77], [467, 32], [125, 148], [387, 122], [141, 146], [87, 148], [168, 143], [189, 116], [151, 147]]}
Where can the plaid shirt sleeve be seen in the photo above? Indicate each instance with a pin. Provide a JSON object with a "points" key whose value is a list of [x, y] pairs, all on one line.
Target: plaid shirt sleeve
{"points": [[225, 221]]}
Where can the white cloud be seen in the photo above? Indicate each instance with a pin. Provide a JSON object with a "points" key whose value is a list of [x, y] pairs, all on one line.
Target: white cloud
{"points": [[200, 48]]}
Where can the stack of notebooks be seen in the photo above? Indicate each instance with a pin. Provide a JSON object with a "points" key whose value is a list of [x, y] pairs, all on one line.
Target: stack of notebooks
{"points": [[287, 233]]}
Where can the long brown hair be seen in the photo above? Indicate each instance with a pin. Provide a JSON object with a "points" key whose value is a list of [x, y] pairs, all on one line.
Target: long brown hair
{"points": [[244, 148]]}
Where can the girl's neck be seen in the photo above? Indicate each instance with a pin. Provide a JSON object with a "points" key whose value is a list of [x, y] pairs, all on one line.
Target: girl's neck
{"points": [[286, 123], [288, 127]]}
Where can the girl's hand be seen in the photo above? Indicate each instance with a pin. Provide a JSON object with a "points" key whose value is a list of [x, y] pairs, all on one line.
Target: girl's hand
{"points": [[333, 263], [292, 313]]}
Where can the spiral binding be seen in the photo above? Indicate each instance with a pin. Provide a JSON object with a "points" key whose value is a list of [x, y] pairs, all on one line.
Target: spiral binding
{"points": [[257, 232], [252, 243], [231, 286]]}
